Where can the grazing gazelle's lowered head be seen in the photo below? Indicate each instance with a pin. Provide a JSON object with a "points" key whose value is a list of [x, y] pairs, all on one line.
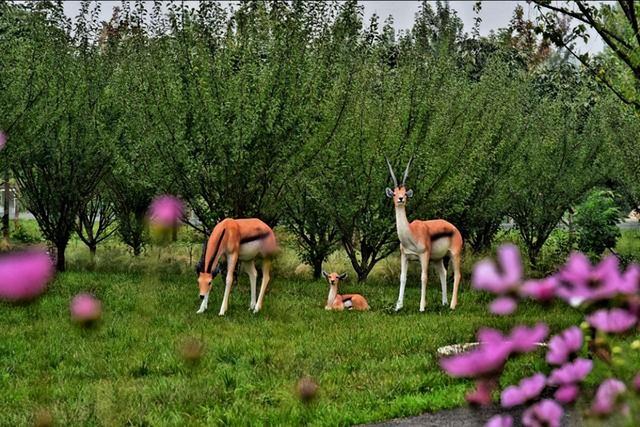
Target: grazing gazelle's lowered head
{"points": [[429, 241], [339, 302]]}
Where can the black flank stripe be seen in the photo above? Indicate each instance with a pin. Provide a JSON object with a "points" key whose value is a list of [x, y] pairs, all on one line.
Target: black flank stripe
{"points": [[253, 238], [213, 256], [441, 235]]}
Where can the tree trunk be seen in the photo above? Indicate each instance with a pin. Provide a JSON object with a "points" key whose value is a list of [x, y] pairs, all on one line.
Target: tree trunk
{"points": [[317, 267], [7, 200], [92, 253], [60, 262], [137, 250], [16, 212]]}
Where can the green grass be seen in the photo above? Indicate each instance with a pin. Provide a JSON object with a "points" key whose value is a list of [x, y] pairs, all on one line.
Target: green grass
{"points": [[369, 366]]}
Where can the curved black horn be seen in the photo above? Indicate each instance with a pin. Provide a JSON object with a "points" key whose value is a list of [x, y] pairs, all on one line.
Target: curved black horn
{"points": [[393, 177], [406, 171]]}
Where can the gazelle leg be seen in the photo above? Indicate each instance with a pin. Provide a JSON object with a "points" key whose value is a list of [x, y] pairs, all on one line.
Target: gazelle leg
{"points": [[456, 280], [403, 278], [250, 268], [442, 273], [232, 259], [424, 264], [266, 269]]}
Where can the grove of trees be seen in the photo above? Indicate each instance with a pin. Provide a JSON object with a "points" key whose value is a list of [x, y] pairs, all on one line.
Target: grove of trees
{"points": [[285, 110]]}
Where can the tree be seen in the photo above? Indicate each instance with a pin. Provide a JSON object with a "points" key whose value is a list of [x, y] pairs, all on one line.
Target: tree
{"points": [[61, 151], [596, 221], [616, 25], [98, 210]]}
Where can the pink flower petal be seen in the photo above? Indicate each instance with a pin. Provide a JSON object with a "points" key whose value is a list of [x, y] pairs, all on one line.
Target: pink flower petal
{"points": [[482, 394], [571, 373], [24, 275], [528, 389], [615, 321], [503, 306], [483, 361], [85, 308], [546, 413], [567, 394], [561, 346], [607, 396], [166, 210], [525, 339], [540, 290], [500, 421]]}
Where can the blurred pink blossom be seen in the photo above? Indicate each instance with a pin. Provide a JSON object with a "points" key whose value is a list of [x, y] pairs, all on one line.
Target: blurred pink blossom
{"points": [[24, 275], [528, 389], [563, 345], [581, 282], [166, 210], [615, 321], [571, 373], [541, 290], [607, 396], [500, 421], [486, 360], [525, 339], [546, 413], [85, 308], [567, 394], [503, 306], [501, 278]]}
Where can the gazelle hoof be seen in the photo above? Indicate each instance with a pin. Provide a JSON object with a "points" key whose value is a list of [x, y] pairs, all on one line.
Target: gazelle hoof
{"points": [[422, 310], [256, 310], [200, 311], [221, 314], [453, 306], [398, 307]]}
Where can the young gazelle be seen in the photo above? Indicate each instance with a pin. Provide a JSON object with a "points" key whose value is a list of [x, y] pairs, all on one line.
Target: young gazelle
{"points": [[339, 302], [242, 240], [429, 241]]}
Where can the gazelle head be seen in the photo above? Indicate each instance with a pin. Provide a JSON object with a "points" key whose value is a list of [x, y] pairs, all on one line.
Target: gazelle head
{"points": [[205, 278], [334, 278], [400, 193]]}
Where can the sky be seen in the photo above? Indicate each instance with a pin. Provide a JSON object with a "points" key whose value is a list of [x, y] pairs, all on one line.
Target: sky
{"points": [[494, 14]]}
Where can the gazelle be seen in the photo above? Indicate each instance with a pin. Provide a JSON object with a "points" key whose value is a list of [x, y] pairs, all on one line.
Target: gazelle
{"points": [[242, 240], [339, 302], [429, 241]]}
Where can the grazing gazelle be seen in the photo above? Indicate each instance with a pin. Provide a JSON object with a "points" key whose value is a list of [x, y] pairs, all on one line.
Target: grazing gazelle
{"points": [[241, 240], [429, 241], [339, 302]]}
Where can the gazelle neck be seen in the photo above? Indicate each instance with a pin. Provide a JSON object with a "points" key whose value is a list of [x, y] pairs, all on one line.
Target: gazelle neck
{"points": [[333, 292], [402, 225]]}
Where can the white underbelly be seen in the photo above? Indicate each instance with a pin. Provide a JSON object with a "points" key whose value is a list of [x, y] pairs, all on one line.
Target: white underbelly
{"points": [[250, 250], [439, 248]]}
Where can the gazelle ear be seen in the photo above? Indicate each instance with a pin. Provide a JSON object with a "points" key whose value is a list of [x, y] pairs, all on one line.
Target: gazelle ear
{"points": [[409, 193], [343, 276], [389, 192], [324, 273]]}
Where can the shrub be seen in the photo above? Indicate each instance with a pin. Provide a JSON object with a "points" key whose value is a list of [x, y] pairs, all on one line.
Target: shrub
{"points": [[596, 221]]}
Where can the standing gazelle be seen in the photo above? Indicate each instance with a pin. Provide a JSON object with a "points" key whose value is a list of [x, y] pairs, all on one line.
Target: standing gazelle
{"points": [[429, 241], [241, 240]]}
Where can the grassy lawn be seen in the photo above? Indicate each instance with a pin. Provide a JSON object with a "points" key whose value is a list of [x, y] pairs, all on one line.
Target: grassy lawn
{"points": [[369, 366]]}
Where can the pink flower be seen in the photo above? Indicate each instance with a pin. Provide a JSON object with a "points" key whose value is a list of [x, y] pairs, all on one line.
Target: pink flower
{"points": [[541, 290], [546, 413], [486, 360], [607, 395], [525, 339], [85, 308], [522, 339], [24, 275], [571, 373], [482, 394], [499, 279], [580, 282], [3, 139], [615, 321], [503, 306], [500, 421], [563, 345], [630, 284], [527, 389], [567, 394], [166, 210]]}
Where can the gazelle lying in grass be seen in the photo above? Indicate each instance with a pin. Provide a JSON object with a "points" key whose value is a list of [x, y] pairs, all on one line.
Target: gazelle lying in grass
{"points": [[339, 302]]}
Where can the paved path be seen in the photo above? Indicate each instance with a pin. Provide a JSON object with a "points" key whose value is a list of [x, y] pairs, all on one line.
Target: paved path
{"points": [[471, 417]]}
